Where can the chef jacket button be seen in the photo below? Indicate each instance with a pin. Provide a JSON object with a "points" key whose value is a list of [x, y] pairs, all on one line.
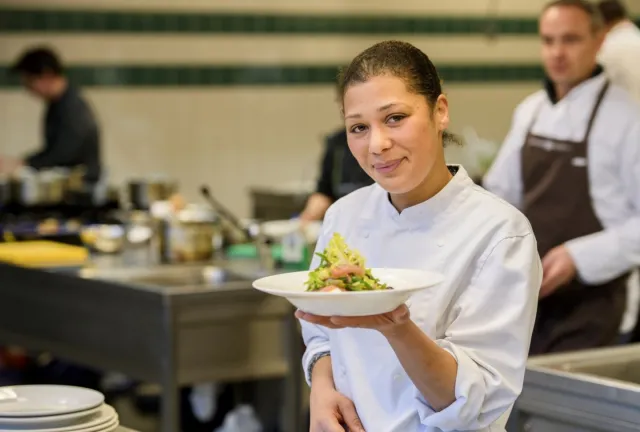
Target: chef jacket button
{"points": [[365, 235], [397, 377], [440, 243]]}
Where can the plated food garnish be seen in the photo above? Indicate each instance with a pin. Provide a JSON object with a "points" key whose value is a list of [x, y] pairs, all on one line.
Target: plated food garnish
{"points": [[342, 269]]}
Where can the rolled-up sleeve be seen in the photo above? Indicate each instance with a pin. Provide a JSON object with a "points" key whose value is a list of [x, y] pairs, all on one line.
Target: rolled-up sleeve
{"points": [[489, 336]]}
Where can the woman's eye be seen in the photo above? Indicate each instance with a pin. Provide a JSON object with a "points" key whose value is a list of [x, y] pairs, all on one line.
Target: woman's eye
{"points": [[395, 118], [357, 128]]}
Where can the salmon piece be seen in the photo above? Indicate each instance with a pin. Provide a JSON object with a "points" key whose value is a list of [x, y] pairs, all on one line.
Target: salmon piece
{"points": [[330, 288], [346, 270]]}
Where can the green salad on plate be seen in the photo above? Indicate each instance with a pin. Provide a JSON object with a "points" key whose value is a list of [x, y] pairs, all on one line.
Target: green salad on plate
{"points": [[342, 269]]}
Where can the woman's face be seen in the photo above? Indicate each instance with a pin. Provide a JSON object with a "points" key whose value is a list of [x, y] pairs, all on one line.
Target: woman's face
{"points": [[392, 133]]}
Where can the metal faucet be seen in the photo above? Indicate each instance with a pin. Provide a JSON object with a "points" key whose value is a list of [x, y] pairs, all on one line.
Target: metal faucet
{"points": [[254, 233]]}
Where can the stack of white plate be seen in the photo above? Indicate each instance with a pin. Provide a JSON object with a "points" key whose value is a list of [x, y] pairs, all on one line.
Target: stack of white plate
{"points": [[53, 408]]}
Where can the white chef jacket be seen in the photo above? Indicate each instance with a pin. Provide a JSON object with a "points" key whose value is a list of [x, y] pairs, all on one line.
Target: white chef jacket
{"points": [[613, 165], [482, 314], [620, 56]]}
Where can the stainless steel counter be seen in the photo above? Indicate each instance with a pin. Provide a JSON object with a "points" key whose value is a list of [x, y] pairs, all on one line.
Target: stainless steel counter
{"points": [[586, 391], [170, 333]]}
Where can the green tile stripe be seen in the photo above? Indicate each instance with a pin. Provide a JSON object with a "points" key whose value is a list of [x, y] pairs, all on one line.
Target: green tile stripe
{"points": [[13, 20], [246, 75]]}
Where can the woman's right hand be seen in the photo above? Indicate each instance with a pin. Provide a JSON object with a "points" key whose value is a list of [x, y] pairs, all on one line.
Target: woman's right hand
{"points": [[331, 411]]}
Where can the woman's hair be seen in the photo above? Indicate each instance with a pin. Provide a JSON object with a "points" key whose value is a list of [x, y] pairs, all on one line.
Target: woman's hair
{"points": [[402, 60]]}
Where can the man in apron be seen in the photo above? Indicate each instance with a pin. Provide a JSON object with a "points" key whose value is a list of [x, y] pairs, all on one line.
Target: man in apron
{"points": [[571, 163], [339, 176]]}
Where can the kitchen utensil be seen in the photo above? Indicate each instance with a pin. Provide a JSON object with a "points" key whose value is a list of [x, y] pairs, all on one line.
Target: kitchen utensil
{"points": [[222, 211], [404, 283]]}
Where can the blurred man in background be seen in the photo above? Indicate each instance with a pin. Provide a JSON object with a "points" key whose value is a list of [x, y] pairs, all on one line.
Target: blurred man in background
{"points": [[620, 52], [571, 163], [620, 56], [71, 134]]}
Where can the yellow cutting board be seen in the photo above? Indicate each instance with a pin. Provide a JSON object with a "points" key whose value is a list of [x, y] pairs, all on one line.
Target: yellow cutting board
{"points": [[42, 253]]}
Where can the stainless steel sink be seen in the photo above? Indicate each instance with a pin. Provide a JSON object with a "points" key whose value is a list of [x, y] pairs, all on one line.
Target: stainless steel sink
{"points": [[594, 390], [174, 275]]}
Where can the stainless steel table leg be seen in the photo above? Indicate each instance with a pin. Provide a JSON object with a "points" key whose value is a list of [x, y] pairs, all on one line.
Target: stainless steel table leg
{"points": [[170, 407], [170, 415]]}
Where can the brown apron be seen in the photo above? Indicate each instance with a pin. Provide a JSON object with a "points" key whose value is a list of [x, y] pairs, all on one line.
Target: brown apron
{"points": [[558, 204]]}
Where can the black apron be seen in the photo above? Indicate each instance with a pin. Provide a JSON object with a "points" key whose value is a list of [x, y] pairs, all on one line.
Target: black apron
{"points": [[558, 204]]}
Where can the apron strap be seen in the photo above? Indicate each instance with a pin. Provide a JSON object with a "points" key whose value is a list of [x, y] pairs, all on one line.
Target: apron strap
{"points": [[605, 87]]}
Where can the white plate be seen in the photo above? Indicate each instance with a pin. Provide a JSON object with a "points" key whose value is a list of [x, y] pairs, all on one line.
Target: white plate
{"points": [[47, 400], [405, 282], [100, 421], [43, 422]]}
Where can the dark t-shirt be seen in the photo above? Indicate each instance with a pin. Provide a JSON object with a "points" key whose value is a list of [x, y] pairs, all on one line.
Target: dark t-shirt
{"points": [[340, 174], [71, 137]]}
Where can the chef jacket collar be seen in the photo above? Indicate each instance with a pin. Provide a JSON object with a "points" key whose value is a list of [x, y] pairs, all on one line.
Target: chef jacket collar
{"points": [[551, 91], [428, 211]]}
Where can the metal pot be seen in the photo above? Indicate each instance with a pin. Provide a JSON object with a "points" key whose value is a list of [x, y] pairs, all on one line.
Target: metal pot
{"points": [[30, 188], [191, 236], [53, 187], [26, 188]]}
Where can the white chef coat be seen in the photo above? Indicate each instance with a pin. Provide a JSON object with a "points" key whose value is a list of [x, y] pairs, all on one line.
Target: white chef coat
{"points": [[620, 56], [613, 165], [483, 313]]}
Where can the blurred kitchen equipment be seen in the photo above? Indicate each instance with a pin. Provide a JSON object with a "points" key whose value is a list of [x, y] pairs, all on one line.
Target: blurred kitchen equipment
{"points": [[222, 211], [191, 234], [6, 191], [277, 203], [253, 233], [26, 186], [29, 187], [180, 232], [144, 192], [53, 186], [104, 238]]}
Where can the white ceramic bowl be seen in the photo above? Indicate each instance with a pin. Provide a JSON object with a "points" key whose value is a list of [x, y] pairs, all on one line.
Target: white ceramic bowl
{"points": [[405, 283]]}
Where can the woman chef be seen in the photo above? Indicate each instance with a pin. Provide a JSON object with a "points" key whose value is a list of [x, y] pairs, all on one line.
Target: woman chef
{"points": [[454, 357]]}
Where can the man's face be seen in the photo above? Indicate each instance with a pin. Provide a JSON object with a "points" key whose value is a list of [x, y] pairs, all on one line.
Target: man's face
{"points": [[38, 85], [569, 44]]}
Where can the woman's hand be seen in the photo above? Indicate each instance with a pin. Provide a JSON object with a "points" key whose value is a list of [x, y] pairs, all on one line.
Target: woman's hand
{"points": [[386, 323], [330, 410]]}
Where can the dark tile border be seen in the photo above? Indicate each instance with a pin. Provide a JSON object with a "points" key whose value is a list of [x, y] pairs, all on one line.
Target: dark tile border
{"points": [[17, 20], [172, 76], [14, 20]]}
